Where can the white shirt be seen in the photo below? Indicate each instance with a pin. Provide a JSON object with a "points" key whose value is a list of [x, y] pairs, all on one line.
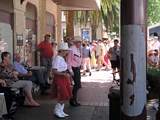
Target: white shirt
{"points": [[59, 63]]}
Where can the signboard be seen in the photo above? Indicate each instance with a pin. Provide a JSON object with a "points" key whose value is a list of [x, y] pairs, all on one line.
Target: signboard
{"points": [[19, 38], [85, 33]]}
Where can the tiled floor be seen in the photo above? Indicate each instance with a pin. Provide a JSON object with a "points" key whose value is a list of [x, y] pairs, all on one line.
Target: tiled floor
{"points": [[94, 99], [95, 89], [93, 96]]}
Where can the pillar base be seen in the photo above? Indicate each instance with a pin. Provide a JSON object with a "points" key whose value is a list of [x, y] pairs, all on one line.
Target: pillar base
{"points": [[158, 115], [142, 116]]}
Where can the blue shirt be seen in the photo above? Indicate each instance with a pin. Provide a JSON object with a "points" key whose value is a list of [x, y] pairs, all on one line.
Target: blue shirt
{"points": [[85, 52], [20, 68]]}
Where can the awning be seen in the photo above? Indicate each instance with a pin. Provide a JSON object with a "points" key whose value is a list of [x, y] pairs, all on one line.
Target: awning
{"points": [[78, 4]]}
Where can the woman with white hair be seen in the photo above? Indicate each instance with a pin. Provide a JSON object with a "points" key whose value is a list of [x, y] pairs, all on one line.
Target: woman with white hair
{"points": [[61, 80]]}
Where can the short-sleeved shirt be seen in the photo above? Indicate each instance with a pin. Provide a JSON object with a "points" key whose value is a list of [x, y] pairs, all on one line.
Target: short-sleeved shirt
{"points": [[114, 52], [46, 49], [20, 68], [74, 57], [85, 52], [59, 63]]}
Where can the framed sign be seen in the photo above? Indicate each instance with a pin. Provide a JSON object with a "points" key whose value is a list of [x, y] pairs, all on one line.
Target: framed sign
{"points": [[85, 33], [19, 38]]}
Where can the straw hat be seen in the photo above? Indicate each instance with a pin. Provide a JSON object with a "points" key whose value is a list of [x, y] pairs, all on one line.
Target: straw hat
{"points": [[77, 39], [63, 46], [47, 34]]}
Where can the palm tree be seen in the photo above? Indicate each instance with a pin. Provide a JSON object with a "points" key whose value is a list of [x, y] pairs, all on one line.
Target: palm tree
{"points": [[70, 24], [110, 10], [108, 13], [93, 18]]}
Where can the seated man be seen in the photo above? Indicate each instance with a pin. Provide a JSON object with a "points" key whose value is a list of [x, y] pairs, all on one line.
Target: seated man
{"points": [[11, 77], [35, 76]]}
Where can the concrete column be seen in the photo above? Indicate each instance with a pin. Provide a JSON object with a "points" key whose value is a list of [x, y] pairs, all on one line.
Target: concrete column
{"points": [[70, 24], [19, 23], [133, 60], [42, 18], [58, 24]]}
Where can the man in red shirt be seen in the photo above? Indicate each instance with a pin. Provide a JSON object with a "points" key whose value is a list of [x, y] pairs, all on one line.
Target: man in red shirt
{"points": [[46, 54]]}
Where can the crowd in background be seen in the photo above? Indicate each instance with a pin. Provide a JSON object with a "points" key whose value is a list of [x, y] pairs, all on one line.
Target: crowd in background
{"points": [[153, 51], [95, 54]]}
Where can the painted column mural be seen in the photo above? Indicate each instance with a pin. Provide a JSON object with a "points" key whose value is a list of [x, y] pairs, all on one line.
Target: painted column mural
{"points": [[133, 60]]}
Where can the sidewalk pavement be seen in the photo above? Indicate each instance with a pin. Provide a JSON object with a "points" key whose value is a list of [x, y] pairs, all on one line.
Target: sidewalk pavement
{"points": [[94, 99]]}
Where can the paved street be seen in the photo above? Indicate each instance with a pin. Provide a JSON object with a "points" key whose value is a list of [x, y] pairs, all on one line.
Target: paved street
{"points": [[93, 96], [94, 99]]}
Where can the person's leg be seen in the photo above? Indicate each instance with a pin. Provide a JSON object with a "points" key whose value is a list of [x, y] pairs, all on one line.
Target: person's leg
{"points": [[64, 94], [99, 63], [76, 86], [118, 67], [84, 66], [45, 63], [113, 65], [27, 87], [49, 69], [89, 66]]}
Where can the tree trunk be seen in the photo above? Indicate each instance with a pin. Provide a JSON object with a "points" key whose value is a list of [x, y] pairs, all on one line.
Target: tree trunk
{"points": [[94, 32], [70, 24]]}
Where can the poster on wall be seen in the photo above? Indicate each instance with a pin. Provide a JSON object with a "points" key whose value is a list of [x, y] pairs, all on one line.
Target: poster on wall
{"points": [[19, 38], [85, 34]]}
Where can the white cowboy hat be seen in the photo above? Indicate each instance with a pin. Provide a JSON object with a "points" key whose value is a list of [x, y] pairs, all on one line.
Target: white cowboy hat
{"points": [[77, 39], [63, 46]]}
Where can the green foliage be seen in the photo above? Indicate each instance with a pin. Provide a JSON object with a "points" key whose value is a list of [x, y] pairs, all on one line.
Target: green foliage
{"points": [[108, 14], [110, 10], [84, 17], [153, 72], [153, 10]]}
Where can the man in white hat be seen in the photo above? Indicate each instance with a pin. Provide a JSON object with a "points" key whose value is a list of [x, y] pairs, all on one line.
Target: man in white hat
{"points": [[74, 60]]}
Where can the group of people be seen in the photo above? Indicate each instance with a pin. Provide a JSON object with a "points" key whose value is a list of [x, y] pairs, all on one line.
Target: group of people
{"points": [[63, 63], [100, 54]]}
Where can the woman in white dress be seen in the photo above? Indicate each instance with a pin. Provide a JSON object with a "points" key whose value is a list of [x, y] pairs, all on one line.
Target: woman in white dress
{"points": [[61, 80]]}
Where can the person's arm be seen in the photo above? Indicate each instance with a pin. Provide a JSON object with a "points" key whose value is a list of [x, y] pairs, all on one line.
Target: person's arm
{"points": [[110, 53], [70, 61], [28, 74]]}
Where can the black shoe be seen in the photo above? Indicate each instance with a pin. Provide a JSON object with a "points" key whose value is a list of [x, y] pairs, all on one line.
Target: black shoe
{"points": [[78, 104], [74, 103], [90, 74], [79, 86]]}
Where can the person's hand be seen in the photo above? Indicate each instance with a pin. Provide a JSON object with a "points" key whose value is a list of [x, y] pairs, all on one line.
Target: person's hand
{"points": [[3, 83], [29, 73], [72, 73], [67, 75]]}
